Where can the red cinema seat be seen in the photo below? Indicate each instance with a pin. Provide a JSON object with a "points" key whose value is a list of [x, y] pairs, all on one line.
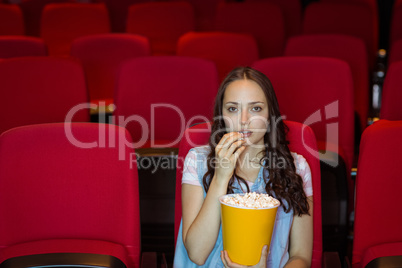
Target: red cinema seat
{"points": [[324, 103], [158, 97], [262, 20], [62, 23], [343, 47], [101, 56], [11, 20], [205, 13], [42, 90], [343, 18], [395, 52], [162, 22], [21, 46], [377, 231], [226, 50], [372, 4], [292, 14], [302, 141], [32, 11], [392, 93], [118, 10], [396, 22], [68, 191]]}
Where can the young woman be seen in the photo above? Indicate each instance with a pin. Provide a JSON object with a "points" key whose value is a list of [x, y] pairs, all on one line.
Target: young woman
{"points": [[247, 152]]}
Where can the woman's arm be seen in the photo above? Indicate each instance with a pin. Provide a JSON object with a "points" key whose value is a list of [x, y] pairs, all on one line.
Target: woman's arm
{"points": [[201, 218], [301, 239]]}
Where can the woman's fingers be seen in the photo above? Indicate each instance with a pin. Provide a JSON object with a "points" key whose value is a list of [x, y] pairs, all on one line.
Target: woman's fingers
{"points": [[234, 147], [229, 262], [264, 257], [230, 146], [239, 152], [227, 153], [223, 260], [227, 140]]}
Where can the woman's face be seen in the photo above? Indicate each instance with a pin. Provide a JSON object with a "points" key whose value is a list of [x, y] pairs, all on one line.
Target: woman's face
{"points": [[245, 109]]}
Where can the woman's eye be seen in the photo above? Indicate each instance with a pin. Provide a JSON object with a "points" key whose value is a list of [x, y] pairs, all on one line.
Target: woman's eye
{"points": [[232, 109], [257, 109]]}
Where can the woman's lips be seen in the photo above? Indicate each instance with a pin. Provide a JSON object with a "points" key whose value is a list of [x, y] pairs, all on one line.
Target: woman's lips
{"points": [[246, 133]]}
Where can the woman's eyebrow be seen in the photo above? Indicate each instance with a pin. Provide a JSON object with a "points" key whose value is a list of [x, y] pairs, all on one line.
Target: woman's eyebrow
{"points": [[231, 102], [253, 102], [250, 103], [256, 102]]}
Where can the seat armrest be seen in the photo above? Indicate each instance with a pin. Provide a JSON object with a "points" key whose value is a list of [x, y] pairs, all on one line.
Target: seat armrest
{"points": [[163, 261], [331, 260], [346, 263], [149, 260], [63, 260], [385, 262]]}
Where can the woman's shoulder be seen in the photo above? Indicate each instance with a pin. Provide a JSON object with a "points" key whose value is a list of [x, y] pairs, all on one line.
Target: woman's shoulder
{"points": [[303, 169], [299, 161], [200, 151]]}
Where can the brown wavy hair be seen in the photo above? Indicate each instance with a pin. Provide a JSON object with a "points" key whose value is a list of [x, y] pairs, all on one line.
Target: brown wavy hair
{"points": [[284, 183]]}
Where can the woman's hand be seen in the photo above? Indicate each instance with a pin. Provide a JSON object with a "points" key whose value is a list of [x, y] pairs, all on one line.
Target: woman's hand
{"points": [[229, 264], [227, 152]]}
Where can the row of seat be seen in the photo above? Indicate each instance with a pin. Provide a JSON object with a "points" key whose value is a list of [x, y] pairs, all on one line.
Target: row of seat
{"points": [[156, 98], [204, 12], [164, 22], [101, 56], [152, 96], [55, 204]]}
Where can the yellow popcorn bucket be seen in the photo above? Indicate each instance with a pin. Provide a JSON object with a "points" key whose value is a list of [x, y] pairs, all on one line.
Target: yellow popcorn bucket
{"points": [[245, 231]]}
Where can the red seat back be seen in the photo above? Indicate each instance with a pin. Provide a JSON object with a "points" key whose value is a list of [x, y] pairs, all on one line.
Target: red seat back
{"points": [[101, 56], [63, 22], [302, 141], [377, 215], [74, 181], [11, 20], [343, 18], [205, 13], [292, 14], [162, 23], [317, 92], [395, 52], [392, 93], [32, 11], [118, 10], [158, 97], [372, 5], [41, 90], [396, 22], [262, 20], [21, 46], [226, 50], [343, 47]]}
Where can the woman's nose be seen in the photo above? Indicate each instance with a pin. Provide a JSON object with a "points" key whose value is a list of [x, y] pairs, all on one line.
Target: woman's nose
{"points": [[244, 117]]}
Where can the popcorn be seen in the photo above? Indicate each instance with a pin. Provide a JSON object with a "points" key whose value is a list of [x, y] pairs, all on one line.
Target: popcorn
{"points": [[250, 200]]}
